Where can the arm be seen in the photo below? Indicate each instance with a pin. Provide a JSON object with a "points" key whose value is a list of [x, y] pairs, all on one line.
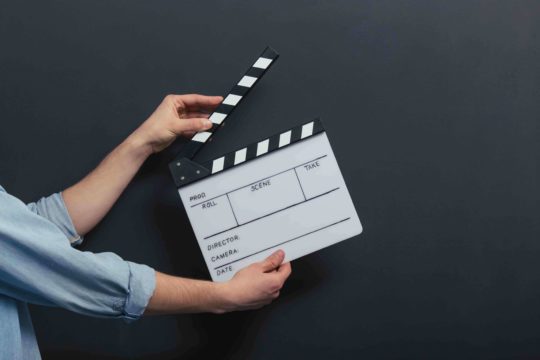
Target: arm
{"points": [[251, 288], [38, 266], [90, 199]]}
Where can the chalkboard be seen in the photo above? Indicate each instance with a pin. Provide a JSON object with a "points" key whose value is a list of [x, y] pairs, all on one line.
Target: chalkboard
{"points": [[432, 110]]}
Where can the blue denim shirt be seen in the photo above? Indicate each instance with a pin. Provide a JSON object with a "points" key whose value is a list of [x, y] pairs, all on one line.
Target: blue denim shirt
{"points": [[38, 265]]}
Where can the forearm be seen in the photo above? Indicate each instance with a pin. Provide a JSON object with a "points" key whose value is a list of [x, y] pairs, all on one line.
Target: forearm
{"points": [[90, 199], [175, 295]]}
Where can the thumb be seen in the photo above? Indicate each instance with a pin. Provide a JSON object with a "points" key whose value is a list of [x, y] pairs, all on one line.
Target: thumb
{"points": [[193, 125], [273, 261]]}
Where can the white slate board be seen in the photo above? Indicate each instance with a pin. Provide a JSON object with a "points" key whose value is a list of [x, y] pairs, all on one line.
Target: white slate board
{"points": [[294, 199]]}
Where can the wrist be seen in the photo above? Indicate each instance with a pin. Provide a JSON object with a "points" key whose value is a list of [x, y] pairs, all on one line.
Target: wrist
{"points": [[137, 147], [223, 296]]}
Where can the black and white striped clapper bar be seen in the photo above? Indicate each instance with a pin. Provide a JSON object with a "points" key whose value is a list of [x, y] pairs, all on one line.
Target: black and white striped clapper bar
{"points": [[282, 192]]}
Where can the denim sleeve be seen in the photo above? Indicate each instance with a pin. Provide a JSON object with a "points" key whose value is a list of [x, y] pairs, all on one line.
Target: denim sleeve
{"points": [[38, 266], [54, 209]]}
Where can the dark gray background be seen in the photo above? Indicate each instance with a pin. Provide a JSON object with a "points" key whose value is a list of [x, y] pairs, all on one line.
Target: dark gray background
{"points": [[432, 109]]}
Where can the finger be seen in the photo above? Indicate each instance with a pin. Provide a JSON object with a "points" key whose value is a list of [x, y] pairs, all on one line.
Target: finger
{"points": [[285, 270], [196, 114], [197, 101], [195, 125], [273, 261], [189, 134], [256, 306], [208, 109]]}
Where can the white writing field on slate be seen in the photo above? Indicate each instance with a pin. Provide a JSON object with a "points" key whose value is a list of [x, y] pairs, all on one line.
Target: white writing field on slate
{"points": [[294, 199]]}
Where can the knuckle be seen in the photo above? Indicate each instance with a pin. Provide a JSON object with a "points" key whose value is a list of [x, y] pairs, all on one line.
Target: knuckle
{"points": [[275, 286], [268, 291]]}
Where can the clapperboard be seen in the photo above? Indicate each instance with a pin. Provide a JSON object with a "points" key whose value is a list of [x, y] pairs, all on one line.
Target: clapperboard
{"points": [[283, 192]]}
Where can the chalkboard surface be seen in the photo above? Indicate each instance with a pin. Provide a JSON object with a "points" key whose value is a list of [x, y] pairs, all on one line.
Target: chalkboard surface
{"points": [[432, 109]]}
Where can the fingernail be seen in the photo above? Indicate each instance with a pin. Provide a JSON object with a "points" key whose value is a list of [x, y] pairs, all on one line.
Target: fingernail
{"points": [[207, 124]]}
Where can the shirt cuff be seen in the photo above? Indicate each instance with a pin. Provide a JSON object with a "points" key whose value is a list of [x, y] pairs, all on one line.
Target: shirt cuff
{"points": [[142, 283]]}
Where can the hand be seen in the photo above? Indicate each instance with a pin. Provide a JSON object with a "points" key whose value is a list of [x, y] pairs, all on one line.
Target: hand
{"points": [[177, 115], [258, 284]]}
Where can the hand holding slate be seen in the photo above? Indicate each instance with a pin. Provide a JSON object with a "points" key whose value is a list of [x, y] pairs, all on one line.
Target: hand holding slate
{"points": [[177, 115], [258, 284], [251, 288]]}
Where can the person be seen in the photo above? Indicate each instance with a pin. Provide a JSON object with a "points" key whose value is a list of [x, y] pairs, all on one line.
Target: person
{"points": [[39, 264]]}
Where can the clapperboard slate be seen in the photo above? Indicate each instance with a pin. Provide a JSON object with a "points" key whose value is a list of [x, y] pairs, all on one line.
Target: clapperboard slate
{"points": [[283, 192]]}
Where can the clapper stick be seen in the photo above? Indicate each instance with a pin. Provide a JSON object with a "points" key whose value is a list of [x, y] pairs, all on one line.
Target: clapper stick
{"points": [[264, 146], [185, 171]]}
